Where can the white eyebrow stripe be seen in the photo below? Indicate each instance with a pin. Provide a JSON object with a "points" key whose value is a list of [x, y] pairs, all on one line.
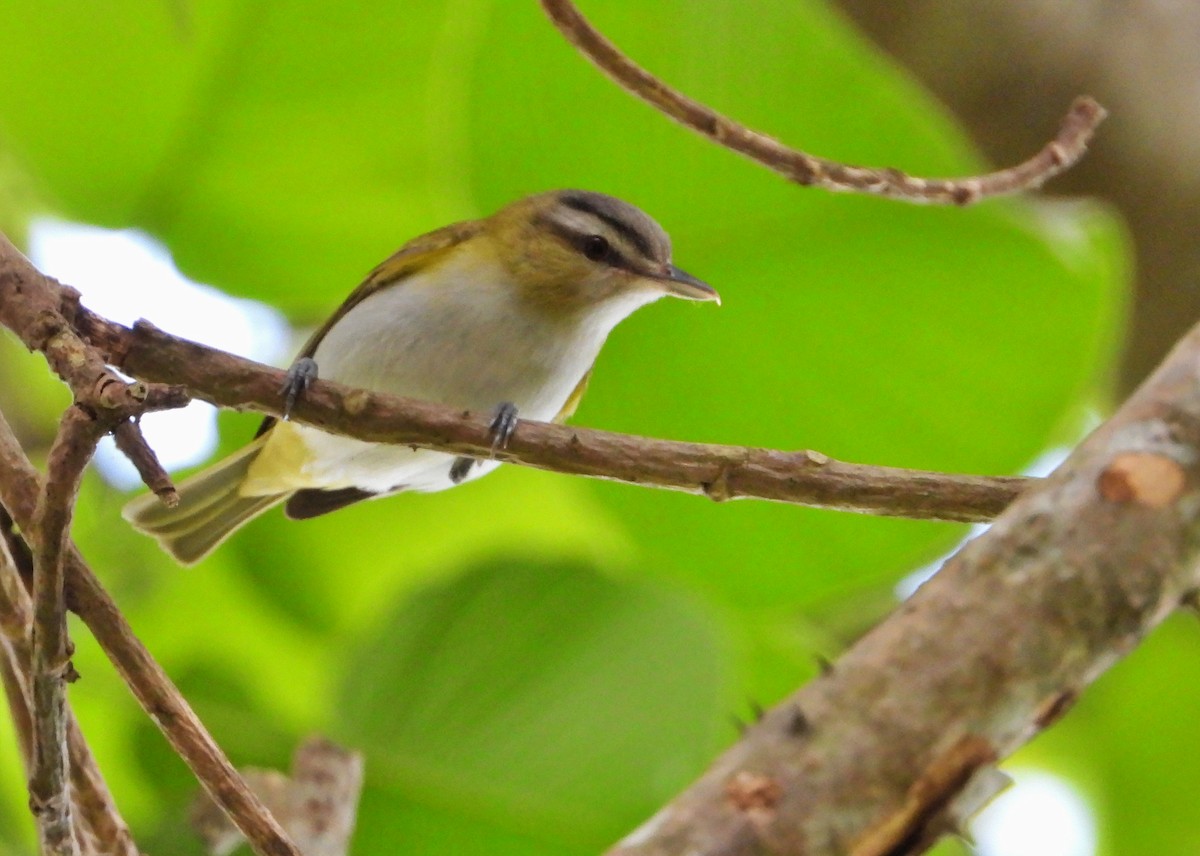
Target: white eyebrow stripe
{"points": [[579, 222], [583, 223]]}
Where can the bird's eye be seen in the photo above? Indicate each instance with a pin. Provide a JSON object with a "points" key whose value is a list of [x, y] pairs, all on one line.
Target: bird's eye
{"points": [[596, 247]]}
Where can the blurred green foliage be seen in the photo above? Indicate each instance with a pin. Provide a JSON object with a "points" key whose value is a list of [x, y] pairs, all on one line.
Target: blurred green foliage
{"points": [[533, 663]]}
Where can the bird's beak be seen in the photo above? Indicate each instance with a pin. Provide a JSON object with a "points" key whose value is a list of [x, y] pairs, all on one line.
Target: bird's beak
{"points": [[680, 283]]}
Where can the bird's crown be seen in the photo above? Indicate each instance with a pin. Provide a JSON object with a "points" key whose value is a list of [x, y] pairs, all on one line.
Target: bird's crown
{"points": [[572, 247]]}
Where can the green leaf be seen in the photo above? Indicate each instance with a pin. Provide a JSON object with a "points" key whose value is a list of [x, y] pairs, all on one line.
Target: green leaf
{"points": [[536, 700]]}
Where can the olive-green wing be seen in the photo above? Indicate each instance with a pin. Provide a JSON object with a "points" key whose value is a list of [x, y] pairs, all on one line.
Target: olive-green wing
{"points": [[415, 256]]}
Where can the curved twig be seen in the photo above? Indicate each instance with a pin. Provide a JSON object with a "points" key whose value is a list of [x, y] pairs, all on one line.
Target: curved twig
{"points": [[1059, 154]]}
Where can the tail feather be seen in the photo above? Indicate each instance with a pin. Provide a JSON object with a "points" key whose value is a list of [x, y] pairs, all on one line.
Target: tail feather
{"points": [[210, 508]]}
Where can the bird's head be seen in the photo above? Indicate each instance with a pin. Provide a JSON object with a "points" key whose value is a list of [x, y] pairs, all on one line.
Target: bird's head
{"points": [[570, 251]]}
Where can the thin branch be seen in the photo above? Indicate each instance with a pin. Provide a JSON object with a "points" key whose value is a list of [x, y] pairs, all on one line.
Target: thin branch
{"points": [[1056, 156], [16, 620], [17, 697], [718, 472], [317, 804], [896, 743], [101, 829], [49, 795], [19, 485], [16, 612], [131, 442], [42, 313]]}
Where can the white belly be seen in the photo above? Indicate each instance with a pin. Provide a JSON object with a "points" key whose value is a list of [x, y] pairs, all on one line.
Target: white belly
{"points": [[466, 341]]}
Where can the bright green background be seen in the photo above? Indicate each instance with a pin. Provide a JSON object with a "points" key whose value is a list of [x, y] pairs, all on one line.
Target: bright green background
{"points": [[533, 663]]}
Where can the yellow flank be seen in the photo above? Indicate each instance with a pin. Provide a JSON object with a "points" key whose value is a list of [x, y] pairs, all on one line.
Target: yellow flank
{"points": [[568, 409], [282, 465]]}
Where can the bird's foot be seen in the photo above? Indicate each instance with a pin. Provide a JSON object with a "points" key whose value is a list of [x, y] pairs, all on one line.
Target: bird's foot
{"points": [[460, 469], [299, 378], [501, 428], [503, 424]]}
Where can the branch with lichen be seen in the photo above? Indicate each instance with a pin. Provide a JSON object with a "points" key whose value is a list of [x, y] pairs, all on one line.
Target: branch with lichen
{"points": [[1060, 154], [897, 743]]}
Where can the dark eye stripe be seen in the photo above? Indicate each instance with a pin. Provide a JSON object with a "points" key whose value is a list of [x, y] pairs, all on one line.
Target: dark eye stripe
{"points": [[580, 203], [579, 241]]}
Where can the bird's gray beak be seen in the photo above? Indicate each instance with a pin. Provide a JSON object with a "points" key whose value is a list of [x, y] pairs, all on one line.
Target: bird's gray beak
{"points": [[680, 283]]}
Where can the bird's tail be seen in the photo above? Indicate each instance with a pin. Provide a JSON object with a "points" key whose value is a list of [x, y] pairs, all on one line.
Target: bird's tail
{"points": [[210, 508]]}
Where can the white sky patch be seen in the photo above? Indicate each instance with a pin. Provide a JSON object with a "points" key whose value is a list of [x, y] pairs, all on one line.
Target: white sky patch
{"points": [[1043, 465], [127, 275], [1040, 815]]}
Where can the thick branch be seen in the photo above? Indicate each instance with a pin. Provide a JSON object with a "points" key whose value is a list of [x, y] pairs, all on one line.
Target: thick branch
{"points": [[719, 472], [19, 484], [1059, 154], [879, 756]]}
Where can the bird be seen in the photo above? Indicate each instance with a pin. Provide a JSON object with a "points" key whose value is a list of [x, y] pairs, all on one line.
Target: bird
{"points": [[504, 314]]}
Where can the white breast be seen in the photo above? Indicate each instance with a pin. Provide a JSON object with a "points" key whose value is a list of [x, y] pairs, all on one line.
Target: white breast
{"points": [[465, 339]]}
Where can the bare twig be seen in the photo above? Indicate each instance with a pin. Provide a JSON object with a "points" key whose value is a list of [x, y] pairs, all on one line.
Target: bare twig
{"points": [[49, 796], [133, 445], [17, 697], [16, 621], [317, 804], [42, 311], [1059, 154], [895, 744], [16, 613], [719, 472], [19, 484], [100, 828]]}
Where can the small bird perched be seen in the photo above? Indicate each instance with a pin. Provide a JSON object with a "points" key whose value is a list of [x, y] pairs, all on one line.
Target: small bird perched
{"points": [[505, 313]]}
